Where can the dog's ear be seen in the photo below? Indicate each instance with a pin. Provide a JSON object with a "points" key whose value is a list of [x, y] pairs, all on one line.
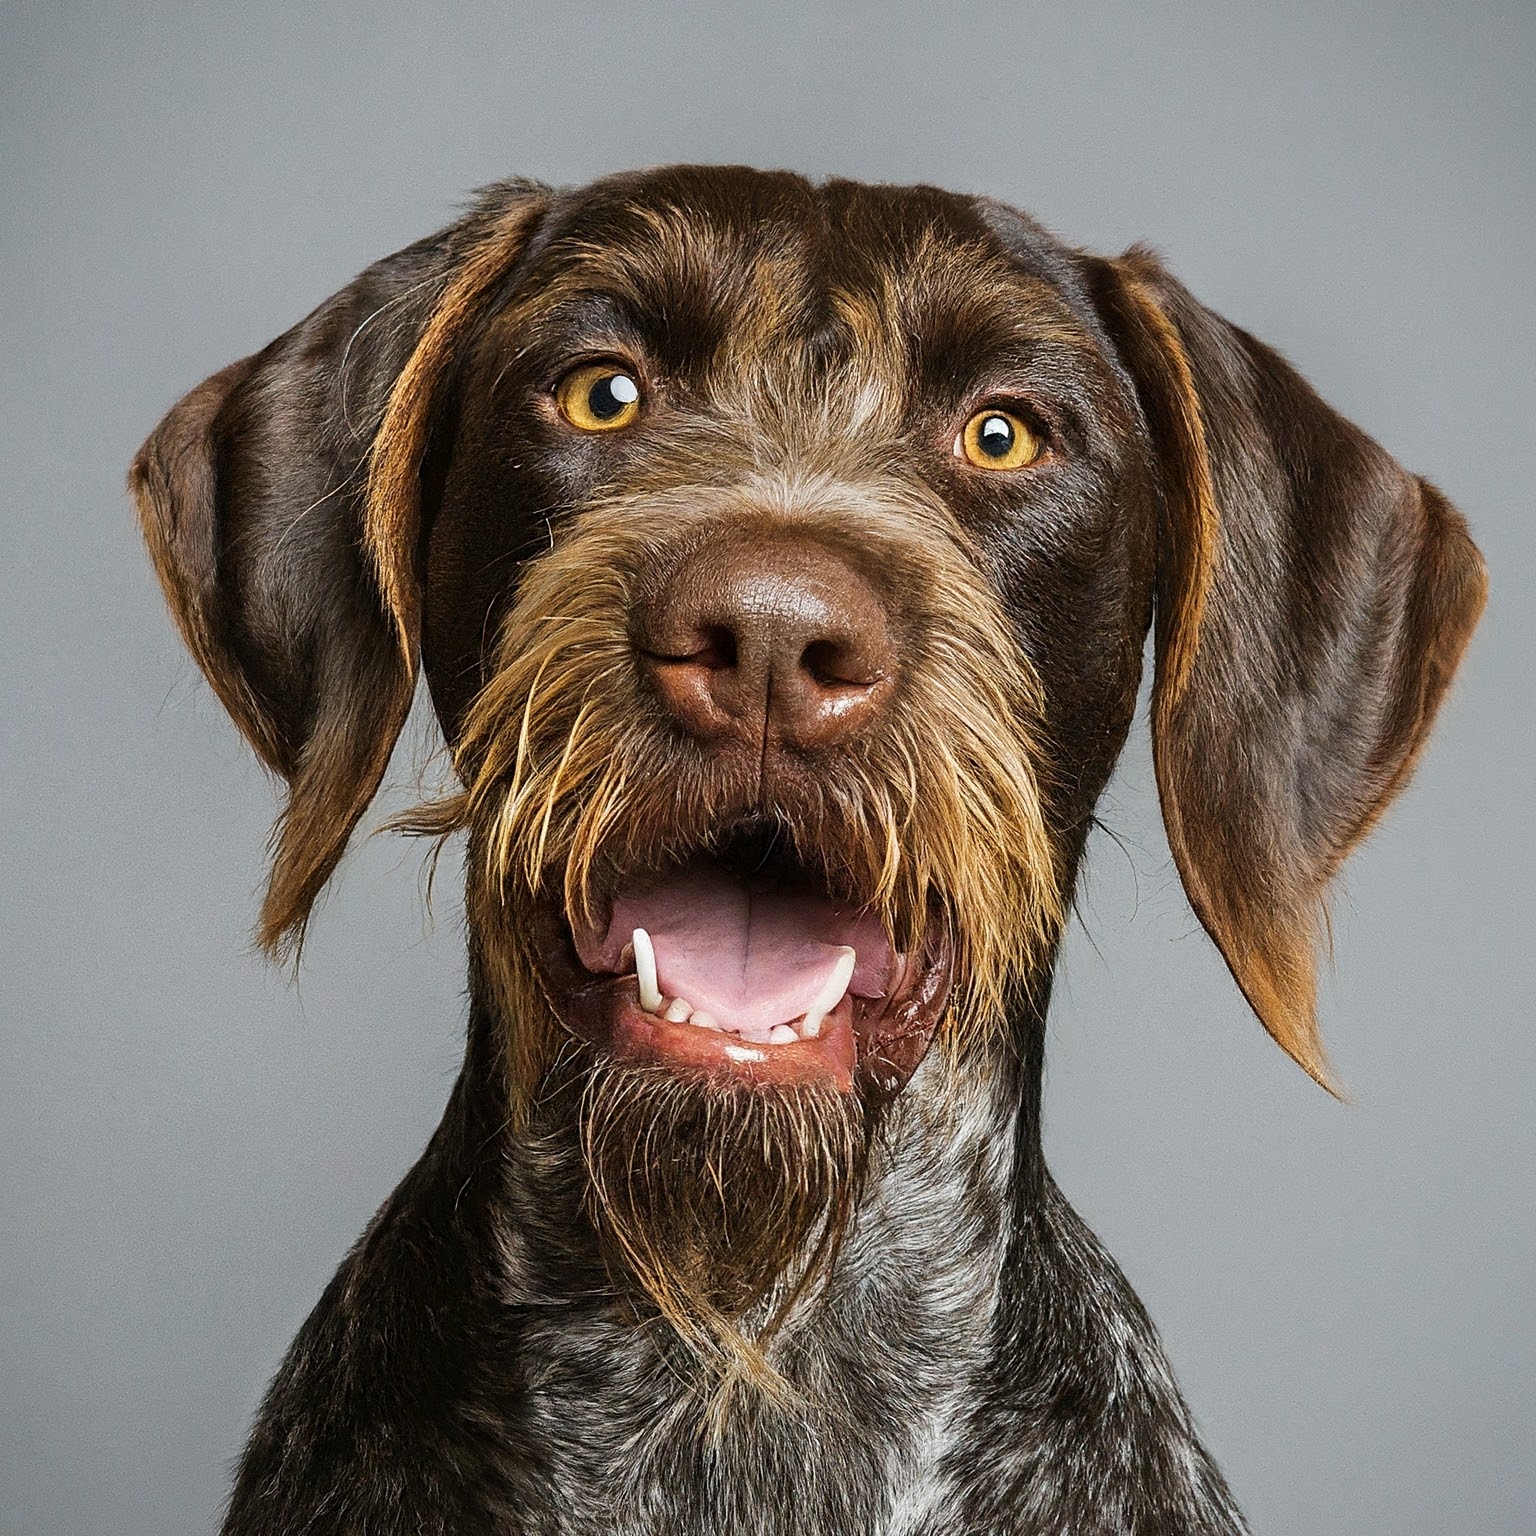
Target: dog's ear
{"points": [[280, 503], [1313, 599]]}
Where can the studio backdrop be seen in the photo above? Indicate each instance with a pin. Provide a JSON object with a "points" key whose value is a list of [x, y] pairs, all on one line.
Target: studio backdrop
{"points": [[189, 1140]]}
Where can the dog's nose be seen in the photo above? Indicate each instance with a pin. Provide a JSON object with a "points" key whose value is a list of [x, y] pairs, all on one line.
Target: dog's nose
{"points": [[778, 643]]}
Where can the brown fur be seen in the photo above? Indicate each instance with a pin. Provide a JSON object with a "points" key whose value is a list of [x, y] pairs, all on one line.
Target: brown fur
{"points": [[571, 782], [1257, 883], [392, 520]]}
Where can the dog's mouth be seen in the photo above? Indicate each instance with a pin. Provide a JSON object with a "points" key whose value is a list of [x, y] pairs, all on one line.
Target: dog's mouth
{"points": [[743, 963]]}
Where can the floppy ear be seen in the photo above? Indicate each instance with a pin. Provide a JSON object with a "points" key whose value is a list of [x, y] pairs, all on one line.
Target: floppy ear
{"points": [[280, 503], [1313, 599]]}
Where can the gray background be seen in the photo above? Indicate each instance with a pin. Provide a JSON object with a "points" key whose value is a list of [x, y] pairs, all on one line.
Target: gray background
{"points": [[189, 1142]]}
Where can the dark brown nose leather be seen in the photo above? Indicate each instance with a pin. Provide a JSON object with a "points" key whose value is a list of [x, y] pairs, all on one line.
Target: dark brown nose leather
{"points": [[775, 642]]}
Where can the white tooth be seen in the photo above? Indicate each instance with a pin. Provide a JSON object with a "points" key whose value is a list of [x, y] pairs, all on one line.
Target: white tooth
{"points": [[702, 1020], [831, 994], [645, 971], [678, 1011], [782, 1034]]}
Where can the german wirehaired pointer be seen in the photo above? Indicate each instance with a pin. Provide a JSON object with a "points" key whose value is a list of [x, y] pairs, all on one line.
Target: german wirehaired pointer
{"points": [[779, 558]]}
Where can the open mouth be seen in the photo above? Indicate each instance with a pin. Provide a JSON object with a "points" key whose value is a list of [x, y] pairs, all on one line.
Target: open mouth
{"points": [[744, 963]]}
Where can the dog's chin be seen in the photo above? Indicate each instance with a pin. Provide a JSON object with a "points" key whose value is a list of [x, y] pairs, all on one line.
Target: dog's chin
{"points": [[723, 1200], [747, 972]]}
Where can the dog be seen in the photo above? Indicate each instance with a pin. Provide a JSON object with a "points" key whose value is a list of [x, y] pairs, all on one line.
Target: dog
{"points": [[779, 557]]}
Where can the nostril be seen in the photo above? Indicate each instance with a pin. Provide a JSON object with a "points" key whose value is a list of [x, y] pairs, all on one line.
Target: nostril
{"points": [[834, 665], [718, 650], [712, 646]]}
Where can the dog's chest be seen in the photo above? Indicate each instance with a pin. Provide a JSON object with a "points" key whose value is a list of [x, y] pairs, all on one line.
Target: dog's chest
{"points": [[636, 1456], [885, 1365]]}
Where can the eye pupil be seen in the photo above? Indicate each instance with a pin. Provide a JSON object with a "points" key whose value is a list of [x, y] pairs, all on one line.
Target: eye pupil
{"points": [[995, 437], [611, 394]]}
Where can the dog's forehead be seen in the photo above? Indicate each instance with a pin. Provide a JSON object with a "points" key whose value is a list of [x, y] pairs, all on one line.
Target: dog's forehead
{"points": [[730, 270]]}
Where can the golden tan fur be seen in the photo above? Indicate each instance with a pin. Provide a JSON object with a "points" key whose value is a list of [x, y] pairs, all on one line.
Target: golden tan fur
{"points": [[725, 1204]]}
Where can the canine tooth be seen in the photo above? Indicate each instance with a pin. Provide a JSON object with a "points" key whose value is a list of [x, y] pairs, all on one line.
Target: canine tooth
{"points": [[831, 994], [704, 1020], [782, 1034], [645, 971], [678, 1011]]}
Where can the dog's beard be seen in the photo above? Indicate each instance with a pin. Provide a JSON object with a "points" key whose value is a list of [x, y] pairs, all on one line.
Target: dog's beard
{"points": [[722, 1202]]}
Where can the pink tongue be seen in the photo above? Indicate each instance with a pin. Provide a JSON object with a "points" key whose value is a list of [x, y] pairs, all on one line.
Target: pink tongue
{"points": [[752, 954]]}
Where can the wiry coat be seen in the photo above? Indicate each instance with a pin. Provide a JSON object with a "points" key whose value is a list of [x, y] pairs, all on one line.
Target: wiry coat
{"points": [[385, 488]]}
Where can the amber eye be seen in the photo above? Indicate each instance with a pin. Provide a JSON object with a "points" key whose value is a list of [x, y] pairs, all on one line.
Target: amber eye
{"points": [[598, 397], [997, 439]]}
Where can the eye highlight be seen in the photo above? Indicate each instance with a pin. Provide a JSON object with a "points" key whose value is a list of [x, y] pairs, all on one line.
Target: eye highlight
{"points": [[997, 439], [598, 397]]}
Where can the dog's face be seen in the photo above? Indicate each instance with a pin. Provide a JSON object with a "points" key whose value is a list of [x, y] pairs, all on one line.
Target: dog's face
{"points": [[779, 558], [752, 487]]}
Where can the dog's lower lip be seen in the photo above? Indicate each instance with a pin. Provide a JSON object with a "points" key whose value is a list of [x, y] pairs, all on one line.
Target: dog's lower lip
{"points": [[639, 1036]]}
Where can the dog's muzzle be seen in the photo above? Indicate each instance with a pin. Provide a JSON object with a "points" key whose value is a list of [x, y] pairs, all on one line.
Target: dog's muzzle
{"points": [[772, 655]]}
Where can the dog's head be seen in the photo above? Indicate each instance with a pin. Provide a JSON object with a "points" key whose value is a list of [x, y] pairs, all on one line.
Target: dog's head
{"points": [[779, 558]]}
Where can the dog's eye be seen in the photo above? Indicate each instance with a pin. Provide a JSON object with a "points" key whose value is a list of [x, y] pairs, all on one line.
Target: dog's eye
{"points": [[995, 439], [598, 397]]}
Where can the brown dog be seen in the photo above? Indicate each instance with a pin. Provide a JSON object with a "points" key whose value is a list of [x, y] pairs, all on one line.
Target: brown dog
{"points": [[779, 559]]}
